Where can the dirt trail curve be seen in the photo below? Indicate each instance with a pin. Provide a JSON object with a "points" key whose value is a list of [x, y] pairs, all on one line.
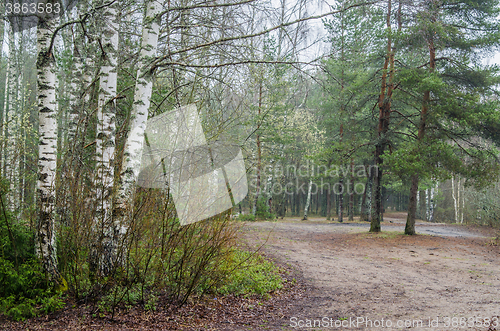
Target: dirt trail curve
{"points": [[446, 279]]}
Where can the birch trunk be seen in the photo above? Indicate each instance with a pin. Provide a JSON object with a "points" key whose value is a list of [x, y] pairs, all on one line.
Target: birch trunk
{"points": [[105, 142], [461, 202], [308, 200], [11, 120], [47, 108], [431, 203], [2, 114], [259, 155], [5, 133], [78, 85], [454, 196], [351, 193], [140, 111]]}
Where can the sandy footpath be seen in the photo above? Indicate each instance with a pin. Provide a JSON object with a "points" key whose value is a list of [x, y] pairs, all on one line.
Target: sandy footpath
{"points": [[447, 278]]}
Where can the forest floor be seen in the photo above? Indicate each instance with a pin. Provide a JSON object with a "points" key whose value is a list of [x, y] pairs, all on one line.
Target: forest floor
{"points": [[445, 278]]}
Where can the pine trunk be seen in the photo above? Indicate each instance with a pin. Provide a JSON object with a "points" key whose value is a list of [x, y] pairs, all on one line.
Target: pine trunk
{"points": [[412, 203], [412, 206], [384, 105]]}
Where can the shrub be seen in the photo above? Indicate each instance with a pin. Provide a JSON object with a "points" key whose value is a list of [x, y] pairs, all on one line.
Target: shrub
{"points": [[262, 211], [24, 291], [249, 273], [246, 218]]}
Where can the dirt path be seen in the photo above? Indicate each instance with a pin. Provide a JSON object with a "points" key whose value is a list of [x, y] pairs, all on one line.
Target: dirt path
{"points": [[450, 275]]}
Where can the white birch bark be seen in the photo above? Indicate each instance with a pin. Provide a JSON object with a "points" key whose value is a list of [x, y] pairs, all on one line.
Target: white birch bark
{"points": [[105, 140], [140, 112], [460, 202], [76, 85], [2, 114], [11, 125], [427, 204], [453, 195], [5, 162], [47, 108], [308, 201], [431, 203]]}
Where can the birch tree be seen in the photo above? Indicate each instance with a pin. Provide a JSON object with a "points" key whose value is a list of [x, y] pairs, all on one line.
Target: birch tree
{"points": [[308, 201], [140, 111], [47, 116], [105, 141], [12, 114]]}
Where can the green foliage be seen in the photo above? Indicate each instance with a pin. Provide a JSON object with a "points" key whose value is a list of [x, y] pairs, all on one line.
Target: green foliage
{"points": [[52, 303], [262, 211], [484, 206], [249, 273], [246, 218], [151, 303], [24, 291]]}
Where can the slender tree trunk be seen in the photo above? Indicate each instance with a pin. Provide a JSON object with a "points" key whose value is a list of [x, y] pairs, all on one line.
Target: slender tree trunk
{"points": [[384, 104], [418, 212], [351, 192], [12, 117], [308, 200], [2, 114], [105, 143], [259, 154], [283, 198], [454, 196], [329, 204], [460, 202], [431, 203], [363, 217], [8, 74], [376, 193], [341, 200], [412, 203], [47, 110], [412, 206], [140, 112], [316, 200]]}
